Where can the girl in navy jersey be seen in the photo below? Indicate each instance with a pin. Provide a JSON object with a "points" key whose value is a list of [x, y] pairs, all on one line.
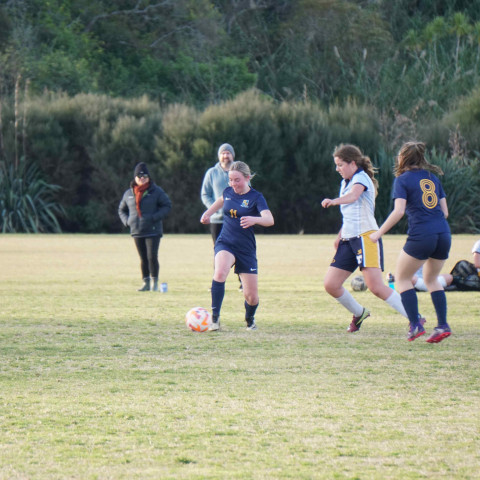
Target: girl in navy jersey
{"points": [[418, 193], [243, 207], [354, 249]]}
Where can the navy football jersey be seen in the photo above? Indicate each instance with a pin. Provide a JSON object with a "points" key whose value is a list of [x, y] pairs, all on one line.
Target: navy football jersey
{"points": [[234, 208], [423, 191]]}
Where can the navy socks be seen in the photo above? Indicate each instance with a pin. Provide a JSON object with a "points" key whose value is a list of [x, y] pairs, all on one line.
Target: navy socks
{"points": [[439, 300], [410, 303], [218, 292], [250, 310]]}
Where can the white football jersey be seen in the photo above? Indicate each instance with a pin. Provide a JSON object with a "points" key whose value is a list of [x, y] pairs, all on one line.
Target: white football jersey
{"points": [[359, 216]]}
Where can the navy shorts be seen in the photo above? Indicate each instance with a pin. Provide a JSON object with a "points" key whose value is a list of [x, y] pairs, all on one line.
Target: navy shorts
{"points": [[245, 262], [436, 245], [358, 252]]}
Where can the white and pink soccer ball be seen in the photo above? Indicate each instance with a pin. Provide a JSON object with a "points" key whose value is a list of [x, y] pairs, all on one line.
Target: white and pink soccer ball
{"points": [[198, 319]]}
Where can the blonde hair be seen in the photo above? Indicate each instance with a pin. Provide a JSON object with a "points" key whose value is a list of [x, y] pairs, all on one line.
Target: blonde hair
{"points": [[243, 168], [412, 157], [351, 153]]}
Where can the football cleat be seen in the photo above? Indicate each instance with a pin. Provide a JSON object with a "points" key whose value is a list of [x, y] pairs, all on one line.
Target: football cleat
{"points": [[251, 325], [215, 325], [357, 321], [415, 331], [439, 333]]}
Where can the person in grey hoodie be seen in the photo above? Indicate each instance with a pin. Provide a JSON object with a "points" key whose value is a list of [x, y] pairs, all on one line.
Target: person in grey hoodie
{"points": [[142, 208], [214, 183]]}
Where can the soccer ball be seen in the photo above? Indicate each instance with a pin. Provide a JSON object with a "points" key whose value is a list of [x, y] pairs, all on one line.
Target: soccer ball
{"points": [[358, 284], [198, 319]]}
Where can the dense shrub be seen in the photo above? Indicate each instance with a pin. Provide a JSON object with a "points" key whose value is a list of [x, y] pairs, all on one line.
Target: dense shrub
{"points": [[90, 144], [466, 116], [461, 183]]}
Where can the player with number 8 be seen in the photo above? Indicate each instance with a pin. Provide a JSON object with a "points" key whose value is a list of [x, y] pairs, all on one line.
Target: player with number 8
{"points": [[418, 192]]}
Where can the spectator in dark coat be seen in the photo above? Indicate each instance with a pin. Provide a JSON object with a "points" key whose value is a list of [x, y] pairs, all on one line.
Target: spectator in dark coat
{"points": [[143, 207]]}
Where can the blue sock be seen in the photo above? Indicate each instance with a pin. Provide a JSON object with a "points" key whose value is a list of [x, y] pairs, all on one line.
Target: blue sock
{"points": [[439, 300], [410, 303], [218, 292], [250, 310]]}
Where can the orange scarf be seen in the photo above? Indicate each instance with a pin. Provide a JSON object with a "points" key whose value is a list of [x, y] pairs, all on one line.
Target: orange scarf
{"points": [[139, 190]]}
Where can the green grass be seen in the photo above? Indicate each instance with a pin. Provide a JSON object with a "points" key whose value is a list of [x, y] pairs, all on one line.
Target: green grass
{"points": [[99, 381]]}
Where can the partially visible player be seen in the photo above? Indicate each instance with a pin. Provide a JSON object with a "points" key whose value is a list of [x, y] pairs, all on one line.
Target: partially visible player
{"points": [[418, 192], [476, 256], [445, 280], [353, 246], [243, 207], [466, 275]]}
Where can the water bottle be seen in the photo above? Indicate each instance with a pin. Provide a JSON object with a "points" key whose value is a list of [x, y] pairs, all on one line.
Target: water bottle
{"points": [[164, 287], [391, 280]]}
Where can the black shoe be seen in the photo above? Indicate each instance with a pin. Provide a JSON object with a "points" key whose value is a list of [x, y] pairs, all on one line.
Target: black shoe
{"points": [[146, 285]]}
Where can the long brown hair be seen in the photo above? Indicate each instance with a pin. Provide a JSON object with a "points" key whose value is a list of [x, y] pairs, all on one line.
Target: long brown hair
{"points": [[412, 157], [351, 153]]}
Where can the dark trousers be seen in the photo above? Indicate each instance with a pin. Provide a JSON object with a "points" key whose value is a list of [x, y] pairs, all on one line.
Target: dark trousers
{"points": [[148, 250], [215, 229]]}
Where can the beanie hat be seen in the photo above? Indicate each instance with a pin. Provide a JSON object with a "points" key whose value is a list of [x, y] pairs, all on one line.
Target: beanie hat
{"points": [[228, 147], [141, 169]]}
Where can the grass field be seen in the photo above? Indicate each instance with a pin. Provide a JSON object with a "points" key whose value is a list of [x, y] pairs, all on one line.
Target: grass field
{"points": [[99, 381]]}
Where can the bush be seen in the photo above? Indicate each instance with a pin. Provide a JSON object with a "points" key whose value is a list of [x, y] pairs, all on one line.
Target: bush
{"points": [[462, 187], [27, 203], [466, 116]]}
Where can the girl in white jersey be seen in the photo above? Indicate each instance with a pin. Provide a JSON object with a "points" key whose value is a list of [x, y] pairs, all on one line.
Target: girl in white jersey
{"points": [[353, 245]]}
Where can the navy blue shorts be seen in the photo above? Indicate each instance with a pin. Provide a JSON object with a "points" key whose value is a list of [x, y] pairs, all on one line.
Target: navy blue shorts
{"points": [[358, 252], [435, 246], [244, 262]]}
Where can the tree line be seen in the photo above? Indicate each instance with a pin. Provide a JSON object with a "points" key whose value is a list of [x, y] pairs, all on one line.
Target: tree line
{"points": [[414, 57]]}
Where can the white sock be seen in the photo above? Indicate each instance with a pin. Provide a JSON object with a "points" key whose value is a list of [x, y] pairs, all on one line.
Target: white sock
{"points": [[420, 285], [395, 301], [350, 303]]}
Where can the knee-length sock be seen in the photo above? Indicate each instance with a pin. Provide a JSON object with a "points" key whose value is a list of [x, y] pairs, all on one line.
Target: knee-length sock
{"points": [[218, 292], [410, 303], [350, 303], [439, 300], [250, 310], [395, 301]]}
